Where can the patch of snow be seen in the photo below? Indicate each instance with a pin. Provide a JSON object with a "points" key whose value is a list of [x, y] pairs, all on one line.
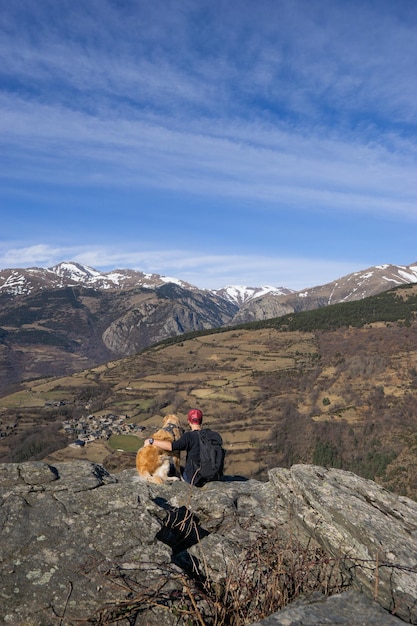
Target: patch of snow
{"points": [[409, 277], [366, 275], [241, 294], [168, 279], [75, 271], [116, 277], [392, 280]]}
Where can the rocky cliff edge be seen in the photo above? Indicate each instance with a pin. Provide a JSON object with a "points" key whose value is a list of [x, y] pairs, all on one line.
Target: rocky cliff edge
{"points": [[82, 546]]}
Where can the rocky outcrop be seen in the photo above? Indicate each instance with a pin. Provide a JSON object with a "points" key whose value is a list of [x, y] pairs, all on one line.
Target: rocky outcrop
{"points": [[351, 608], [264, 308], [373, 531], [80, 545]]}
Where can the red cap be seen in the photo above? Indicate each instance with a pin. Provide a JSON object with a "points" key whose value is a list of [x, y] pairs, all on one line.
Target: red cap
{"points": [[195, 416]]}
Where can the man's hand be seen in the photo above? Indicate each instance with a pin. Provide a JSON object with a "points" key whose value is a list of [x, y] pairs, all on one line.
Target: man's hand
{"points": [[159, 443]]}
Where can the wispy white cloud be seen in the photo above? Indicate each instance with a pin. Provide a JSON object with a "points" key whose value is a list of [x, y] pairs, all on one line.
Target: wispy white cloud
{"points": [[39, 255], [295, 56], [288, 107], [203, 270], [257, 162]]}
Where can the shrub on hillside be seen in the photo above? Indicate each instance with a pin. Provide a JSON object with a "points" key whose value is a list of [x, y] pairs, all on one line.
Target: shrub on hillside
{"points": [[35, 444]]}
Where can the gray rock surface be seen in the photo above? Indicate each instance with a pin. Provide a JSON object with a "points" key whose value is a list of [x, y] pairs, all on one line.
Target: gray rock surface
{"points": [[351, 608], [372, 530], [79, 545]]}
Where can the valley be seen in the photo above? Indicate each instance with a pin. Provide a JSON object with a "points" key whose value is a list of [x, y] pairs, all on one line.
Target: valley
{"points": [[342, 398], [333, 385]]}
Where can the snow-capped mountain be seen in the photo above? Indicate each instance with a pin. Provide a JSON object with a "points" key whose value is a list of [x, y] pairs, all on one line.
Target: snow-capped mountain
{"points": [[240, 295], [263, 300], [116, 279], [365, 283], [67, 274], [355, 286], [25, 281]]}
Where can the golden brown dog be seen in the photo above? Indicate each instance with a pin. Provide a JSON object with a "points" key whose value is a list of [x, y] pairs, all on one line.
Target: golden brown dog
{"points": [[154, 464]]}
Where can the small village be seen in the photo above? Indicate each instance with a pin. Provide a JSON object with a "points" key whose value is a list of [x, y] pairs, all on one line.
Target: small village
{"points": [[92, 427]]}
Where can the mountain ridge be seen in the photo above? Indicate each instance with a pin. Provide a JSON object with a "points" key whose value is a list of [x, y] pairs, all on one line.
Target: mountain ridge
{"points": [[68, 317], [354, 286], [23, 281]]}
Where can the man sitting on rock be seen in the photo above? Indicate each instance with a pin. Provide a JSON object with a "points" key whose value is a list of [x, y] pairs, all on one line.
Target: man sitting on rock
{"points": [[204, 461]]}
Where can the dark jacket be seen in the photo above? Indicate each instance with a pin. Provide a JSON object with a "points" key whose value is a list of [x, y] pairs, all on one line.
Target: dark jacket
{"points": [[189, 441], [200, 470]]}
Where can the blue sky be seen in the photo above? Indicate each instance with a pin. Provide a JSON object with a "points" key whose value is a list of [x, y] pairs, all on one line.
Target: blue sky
{"points": [[267, 142]]}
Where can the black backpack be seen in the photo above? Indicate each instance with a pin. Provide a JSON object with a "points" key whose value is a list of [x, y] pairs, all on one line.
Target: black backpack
{"points": [[211, 456]]}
